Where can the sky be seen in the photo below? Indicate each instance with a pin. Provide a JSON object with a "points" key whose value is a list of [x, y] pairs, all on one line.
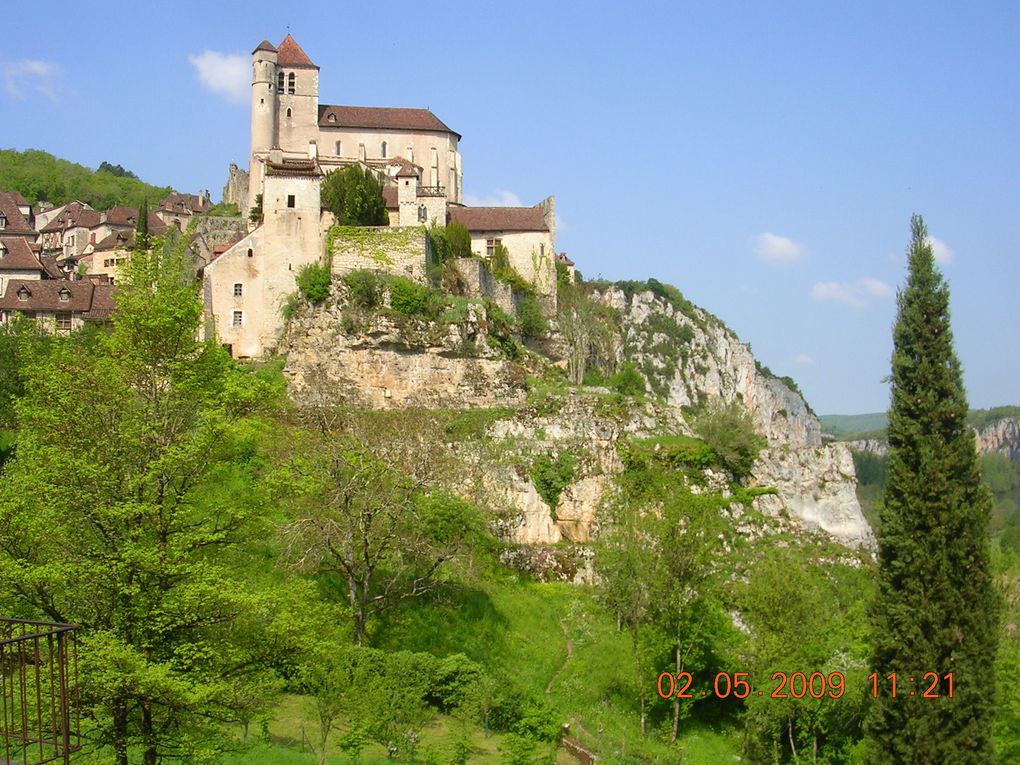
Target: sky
{"points": [[765, 158]]}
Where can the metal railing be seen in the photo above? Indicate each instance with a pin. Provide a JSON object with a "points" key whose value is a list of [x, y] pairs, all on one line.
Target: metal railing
{"points": [[40, 718], [432, 191]]}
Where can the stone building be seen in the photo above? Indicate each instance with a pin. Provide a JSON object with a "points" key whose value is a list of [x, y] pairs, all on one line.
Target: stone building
{"points": [[295, 142]]}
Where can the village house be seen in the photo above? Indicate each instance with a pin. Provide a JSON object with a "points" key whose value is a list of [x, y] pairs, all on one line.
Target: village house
{"points": [[56, 304]]}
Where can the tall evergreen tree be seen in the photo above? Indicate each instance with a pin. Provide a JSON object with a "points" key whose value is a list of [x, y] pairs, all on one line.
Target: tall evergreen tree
{"points": [[936, 611], [142, 227]]}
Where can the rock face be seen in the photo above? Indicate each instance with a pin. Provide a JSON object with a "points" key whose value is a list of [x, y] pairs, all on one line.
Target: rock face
{"points": [[236, 190], [816, 489], [1002, 437], [690, 356], [389, 363]]}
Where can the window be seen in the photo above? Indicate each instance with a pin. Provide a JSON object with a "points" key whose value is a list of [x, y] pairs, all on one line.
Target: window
{"points": [[382, 149], [434, 181], [410, 154], [291, 83], [3, 249], [238, 319], [339, 147], [250, 252], [24, 294], [63, 321], [279, 83], [541, 250], [361, 152], [65, 294], [290, 200], [238, 289], [331, 117], [289, 112], [423, 213], [3, 220], [491, 245]]}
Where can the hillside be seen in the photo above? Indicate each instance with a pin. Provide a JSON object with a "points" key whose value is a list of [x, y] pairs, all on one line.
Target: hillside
{"points": [[41, 177]]}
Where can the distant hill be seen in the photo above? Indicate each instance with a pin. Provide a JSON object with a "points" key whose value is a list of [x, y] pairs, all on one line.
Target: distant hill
{"points": [[40, 176], [854, 427]]}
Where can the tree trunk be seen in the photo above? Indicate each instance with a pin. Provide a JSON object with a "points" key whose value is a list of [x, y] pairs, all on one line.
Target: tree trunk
{"points": [[793, 747], [120, 732], [358, 605], [149, 755], [640, 682], [676, 699]]}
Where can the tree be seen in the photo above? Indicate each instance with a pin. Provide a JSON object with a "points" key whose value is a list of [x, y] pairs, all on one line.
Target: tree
{"points": [[137, 536], [367, 511], [142, 227], [936, 610], [354, 196]]}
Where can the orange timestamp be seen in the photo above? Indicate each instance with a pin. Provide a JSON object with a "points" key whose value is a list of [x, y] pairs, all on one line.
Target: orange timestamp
{"points": [[799, 685]]}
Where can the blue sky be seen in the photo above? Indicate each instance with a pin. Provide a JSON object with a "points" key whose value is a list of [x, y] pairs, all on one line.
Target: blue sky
{"points": [[765, 158]]}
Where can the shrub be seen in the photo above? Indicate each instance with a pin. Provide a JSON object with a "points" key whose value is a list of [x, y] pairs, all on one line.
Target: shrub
{"points": [[552, 476], [728, 429], [628, 381], [451, 241], [530, 317], [408, 297], [313, 281], [365, 287]]}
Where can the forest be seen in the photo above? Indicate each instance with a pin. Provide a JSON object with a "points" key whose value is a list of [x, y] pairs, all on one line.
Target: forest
{"points": [[256, 581]]}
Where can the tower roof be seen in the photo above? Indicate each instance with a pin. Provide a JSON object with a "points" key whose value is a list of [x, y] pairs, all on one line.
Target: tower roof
{"points": [[265, 45], [290, 54]]}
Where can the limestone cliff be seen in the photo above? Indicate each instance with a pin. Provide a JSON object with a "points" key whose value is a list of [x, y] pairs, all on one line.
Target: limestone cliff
{"points": [[1001, 436], [338, 355]]}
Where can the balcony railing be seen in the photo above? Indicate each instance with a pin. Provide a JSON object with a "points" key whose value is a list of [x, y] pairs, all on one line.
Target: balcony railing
{"points": [[39, 704], [432, 191]]}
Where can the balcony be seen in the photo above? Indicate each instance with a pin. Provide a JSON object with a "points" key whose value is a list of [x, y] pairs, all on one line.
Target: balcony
{"points": [[432, 191], [39, 703]]}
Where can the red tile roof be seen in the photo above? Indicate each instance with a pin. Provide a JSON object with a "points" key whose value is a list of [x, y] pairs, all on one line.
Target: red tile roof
{"points": [[118, 240], [126, 217], [74, 215], [382, 118], [500, 218], [45, 295], [16, 196], [389, 195], [290, 54], [17, 255], [16, 223], [189, 203]]}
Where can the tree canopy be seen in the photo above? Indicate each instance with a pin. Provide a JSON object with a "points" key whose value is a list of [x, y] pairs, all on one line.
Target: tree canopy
{"points": [[354, 196]]}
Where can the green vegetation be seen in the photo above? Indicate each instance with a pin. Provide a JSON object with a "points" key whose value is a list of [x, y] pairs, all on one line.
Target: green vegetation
{"points": [[449, 242], [728, 430], [530, 318], [354, 196], [313, 279], [41, 177], [936, 609], [499, 265], [627, 380], [223, 210], [551, 475]]}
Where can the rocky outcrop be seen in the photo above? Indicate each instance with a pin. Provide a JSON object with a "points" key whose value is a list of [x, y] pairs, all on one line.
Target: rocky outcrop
{"points": [[877, 446], [392, 363], [1000, 437], [689, 357], [209, 236], [816, 491], [236, 190]]}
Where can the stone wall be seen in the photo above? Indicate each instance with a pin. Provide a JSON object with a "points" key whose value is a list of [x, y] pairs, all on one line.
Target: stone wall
{"points": [[481, 283], [398, 251], [208, 232], [236, 190]]}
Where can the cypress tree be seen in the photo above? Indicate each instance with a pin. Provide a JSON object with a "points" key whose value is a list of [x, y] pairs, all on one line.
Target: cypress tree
{"points": [[936, 609], [142, 227]]}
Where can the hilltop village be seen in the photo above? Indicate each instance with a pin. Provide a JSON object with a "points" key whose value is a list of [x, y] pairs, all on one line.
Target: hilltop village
{"points": [[249, 274]]}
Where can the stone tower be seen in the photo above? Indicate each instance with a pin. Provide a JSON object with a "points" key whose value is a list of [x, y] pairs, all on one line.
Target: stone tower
{"points": [[264, 113], [297, 99]]}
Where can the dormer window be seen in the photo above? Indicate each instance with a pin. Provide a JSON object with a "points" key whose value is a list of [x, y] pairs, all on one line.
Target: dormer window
{"points": [[3, 220], [65, 294], [24, 294], [331, 117], [3, 249]]}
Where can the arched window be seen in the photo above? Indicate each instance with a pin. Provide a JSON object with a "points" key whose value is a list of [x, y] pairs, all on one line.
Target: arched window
{"points": [[279, 82], [383, 150], [339, 149], [331, 117], [291, 82], [289, 112], [423, 213]]}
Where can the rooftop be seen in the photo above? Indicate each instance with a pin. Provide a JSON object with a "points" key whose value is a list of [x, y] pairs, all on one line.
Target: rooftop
{"points": [[382, 118]]}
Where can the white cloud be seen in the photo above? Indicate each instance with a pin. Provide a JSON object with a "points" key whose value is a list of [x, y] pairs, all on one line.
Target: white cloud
{"points": [[225, 74], [943, 254], [803, 358], [500, 198], [856, 294], [26, 75], [777, 250]]}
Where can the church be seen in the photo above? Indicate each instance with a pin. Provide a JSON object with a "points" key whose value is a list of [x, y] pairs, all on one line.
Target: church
{"points": [[295, 142]]}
